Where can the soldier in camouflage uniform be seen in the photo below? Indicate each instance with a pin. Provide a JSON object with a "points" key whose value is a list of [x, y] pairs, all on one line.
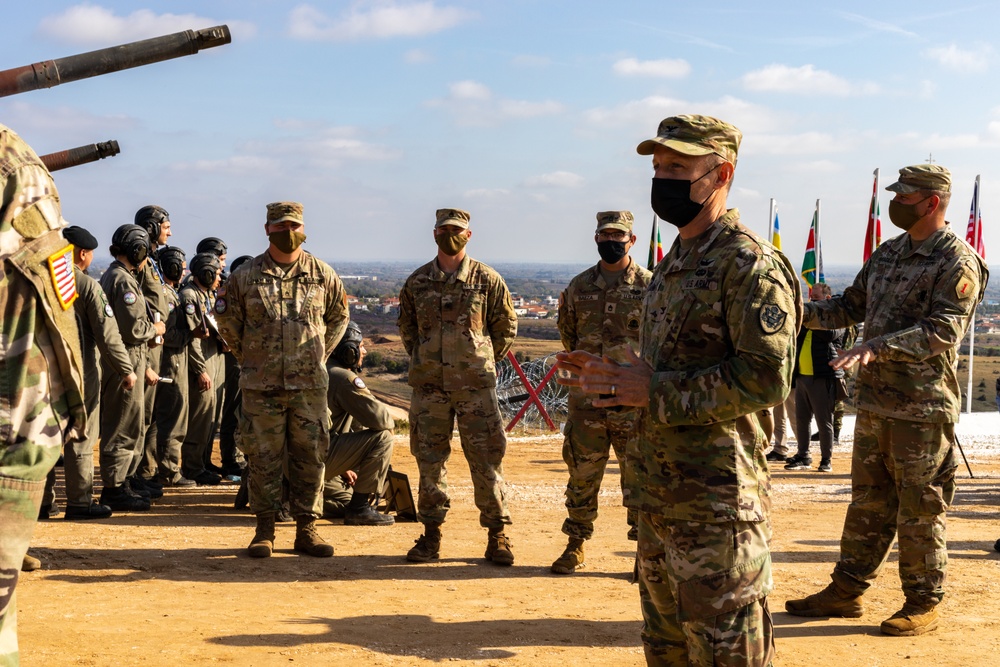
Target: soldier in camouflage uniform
{"points": [[156, 221], [40, 359], [457, 320], [916, 294], [717, 342], [282, 314], [122, 416], [204, 362], [599, 312], [170, 421], [361, 437], [99, 338]]}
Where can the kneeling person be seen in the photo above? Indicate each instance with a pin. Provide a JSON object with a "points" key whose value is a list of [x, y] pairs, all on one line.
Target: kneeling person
{"points": [[360, 437]]}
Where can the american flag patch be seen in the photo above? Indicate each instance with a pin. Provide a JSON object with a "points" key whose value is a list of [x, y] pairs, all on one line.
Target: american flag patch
{"points": [[61, 269]]}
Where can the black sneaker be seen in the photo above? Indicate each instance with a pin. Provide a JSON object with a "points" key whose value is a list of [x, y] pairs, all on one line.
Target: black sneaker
{"points": [[123, 499], [206, 478], [94, 511], [211, 467], [775, 457], [798, 463], [46, 512], [139, 486], [824, 466]]}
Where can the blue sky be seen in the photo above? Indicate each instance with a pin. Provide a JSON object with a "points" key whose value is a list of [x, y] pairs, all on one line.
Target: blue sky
{"points": [[524, 112]]}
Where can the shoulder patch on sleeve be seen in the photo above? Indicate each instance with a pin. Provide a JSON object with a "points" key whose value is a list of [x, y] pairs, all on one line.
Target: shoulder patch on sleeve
{"points": [[189, 308], [772, 318], [107, 310], [967, 285], [359, 383], [220, 305], [129, 298]]}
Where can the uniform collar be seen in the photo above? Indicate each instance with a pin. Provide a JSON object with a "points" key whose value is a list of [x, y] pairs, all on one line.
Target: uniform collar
{"points": [[462, 274], [679, 259], [627, 276], [925, 247], [270, 268]]}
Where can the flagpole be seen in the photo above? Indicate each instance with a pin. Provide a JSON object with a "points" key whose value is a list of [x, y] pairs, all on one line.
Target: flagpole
{"points": [[820, 276], [770, 222], [976, 231], [875, 212]]}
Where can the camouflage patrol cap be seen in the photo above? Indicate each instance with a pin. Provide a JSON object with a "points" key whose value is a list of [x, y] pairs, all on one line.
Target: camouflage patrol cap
{"points": [[621, 220], [922, 177], [452, 216], [695, 135], [280, 211]]}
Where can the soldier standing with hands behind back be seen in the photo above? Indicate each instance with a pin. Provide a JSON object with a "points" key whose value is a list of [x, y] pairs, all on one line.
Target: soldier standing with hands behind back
{"points": [[599, 312], [457, 320], [717, 347], [282, 315], [916, 295]]}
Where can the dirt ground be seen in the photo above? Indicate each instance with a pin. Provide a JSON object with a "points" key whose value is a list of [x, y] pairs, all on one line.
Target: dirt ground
{"points": [[173, 586]]}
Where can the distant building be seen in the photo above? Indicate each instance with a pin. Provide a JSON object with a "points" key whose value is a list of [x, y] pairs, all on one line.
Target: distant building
{"points": [[372, 278]]}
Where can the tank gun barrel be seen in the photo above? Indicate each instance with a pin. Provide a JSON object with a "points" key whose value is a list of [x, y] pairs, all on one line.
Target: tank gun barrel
{"points": [[51, 73], [80, 155]]}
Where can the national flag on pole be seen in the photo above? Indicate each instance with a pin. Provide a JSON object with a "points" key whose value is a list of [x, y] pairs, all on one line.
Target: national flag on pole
{"points": [[655, 245], [974, 232], [812, 263], [776, 232], [873, 236]]}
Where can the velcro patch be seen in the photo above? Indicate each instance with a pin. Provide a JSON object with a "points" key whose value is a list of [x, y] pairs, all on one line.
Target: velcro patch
{"points": [[189, 308], [359, 383], [220, 306], [129, 298], [63, 279], [966, 286], [772, 318]]}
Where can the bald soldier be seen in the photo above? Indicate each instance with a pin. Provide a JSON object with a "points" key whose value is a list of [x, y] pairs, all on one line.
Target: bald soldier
{"points": [[916, 294], [282, 314], [717, 345], [599, 312], [43, 380], [457, 320]]}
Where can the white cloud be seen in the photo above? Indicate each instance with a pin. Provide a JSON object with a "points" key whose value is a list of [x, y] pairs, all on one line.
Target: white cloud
{"points": [[417, 57], [486, 193], [378, 19], [817, 167], [645, 113], [86, 24], [473, 103], [805, 80], [805, 143], [233, 165], [880, 26], [962, 60], [531, 61], [666, 69], [555, 179]]}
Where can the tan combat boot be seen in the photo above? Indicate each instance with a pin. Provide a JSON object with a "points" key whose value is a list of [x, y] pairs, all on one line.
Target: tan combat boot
{"points": [[910, 621], [498, 547], [571, 559], [29, 563], [263, 540], [307, 539], [428, 545], [830, 601]]}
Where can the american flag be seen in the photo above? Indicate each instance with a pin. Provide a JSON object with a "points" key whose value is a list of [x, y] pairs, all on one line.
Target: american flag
{"points": [[61, 269], [974, 232]]}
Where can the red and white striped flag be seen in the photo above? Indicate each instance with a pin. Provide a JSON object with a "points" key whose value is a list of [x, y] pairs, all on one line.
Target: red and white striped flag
{"points": [[974, 232]]}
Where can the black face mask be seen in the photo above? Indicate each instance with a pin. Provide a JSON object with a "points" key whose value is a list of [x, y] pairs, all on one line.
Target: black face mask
{"points": [[611, 252], [671, 200]]}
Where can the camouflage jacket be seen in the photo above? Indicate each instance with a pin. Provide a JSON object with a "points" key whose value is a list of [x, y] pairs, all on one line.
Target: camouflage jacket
{"points": [[40, 356], [456, 328], [916, 303], [195, 305], [602, 319], [718, 328], [99, 335], [282, 326], [352, 405]]}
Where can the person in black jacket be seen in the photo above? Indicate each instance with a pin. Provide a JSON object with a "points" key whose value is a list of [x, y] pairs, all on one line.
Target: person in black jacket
{"points": [[815, 383]]}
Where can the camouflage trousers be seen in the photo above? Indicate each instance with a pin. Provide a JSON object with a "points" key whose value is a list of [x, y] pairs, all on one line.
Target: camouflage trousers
{"points": [[28, 450], [902, 479], [590, 435], [145, 465], [433, 413], [197, 445], [170, 421], [285, 433], [703, 590], [122, 419]]}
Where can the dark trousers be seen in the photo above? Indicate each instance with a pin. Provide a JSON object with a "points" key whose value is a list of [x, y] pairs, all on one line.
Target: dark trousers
{"points": [[814, 398]]}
